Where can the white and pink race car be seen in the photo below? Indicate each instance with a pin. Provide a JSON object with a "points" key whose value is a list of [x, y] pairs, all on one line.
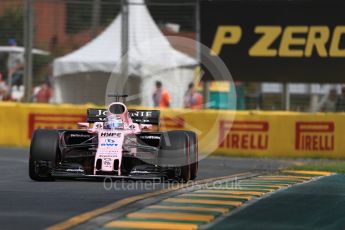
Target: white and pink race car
{"points": [[116, 143]]}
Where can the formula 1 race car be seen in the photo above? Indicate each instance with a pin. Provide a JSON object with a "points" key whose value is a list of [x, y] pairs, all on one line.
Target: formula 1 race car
{"points": [[114, 143]]}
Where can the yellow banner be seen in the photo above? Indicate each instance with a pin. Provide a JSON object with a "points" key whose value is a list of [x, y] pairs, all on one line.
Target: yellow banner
{"points": [[268, 134]]}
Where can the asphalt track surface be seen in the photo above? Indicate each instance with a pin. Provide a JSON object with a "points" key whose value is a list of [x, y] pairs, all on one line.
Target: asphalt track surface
{"points": [[37, 205]]}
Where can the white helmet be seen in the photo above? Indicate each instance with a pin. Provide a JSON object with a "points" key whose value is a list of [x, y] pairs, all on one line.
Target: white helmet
{"points": [[114, 122]]}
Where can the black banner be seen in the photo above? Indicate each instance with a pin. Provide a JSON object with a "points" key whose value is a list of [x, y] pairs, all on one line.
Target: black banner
{"points": [[277, 41]]}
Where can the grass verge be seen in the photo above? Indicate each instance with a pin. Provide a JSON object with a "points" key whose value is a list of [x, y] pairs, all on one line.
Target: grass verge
{"points": [[333, 166]]}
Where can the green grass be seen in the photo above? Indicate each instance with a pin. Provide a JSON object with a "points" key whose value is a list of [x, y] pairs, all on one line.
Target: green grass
{"points": [[332, 166]]}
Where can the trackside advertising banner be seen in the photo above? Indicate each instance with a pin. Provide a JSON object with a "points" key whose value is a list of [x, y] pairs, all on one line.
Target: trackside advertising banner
{"points": [[270, 134], [286, 40], [18, 121]]}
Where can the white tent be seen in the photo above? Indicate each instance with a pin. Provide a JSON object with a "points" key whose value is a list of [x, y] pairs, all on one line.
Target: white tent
{"points": [[82, 75]]}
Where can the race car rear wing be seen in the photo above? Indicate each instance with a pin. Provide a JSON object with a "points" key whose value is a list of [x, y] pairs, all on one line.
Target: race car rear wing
{"points": [[138, 116]]}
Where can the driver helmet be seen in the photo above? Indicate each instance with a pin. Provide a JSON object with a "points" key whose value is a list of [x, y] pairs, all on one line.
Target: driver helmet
{"points": [[114, 122]]}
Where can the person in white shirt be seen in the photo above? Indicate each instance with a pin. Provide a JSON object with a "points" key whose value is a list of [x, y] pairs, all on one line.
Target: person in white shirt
{"points": [[3, 88], [15, 65]]}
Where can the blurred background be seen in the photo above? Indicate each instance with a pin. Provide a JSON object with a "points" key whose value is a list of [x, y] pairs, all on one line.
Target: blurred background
{"points": [[76, 44]]}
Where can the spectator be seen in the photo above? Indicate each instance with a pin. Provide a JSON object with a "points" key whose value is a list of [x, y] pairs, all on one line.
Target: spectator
{"points": [[3, 89], [331, 102], [17, 74], [15, 64], [43, 94], [161, 97], [340, 105], [17, 93], [192, 99]]}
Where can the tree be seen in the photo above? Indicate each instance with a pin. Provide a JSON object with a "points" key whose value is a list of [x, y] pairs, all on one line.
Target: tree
{"points": [[11, 26]]}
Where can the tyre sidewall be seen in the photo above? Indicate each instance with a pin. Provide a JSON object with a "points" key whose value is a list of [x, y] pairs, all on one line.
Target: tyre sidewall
{"points": [[194, 164], [175, 153], [44, 148]]}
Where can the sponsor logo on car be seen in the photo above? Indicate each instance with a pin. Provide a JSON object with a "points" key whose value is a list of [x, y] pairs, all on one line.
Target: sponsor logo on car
{"points": [[80, 135], [101, 113], [107, 162], [107, 155], [315, 136], [150, 137], [252, 135], [141, 114], [75, 170], [109, 143], [99, 126], [108, 134]]}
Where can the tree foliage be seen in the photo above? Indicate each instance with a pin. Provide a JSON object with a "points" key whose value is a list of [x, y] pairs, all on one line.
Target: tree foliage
{"points": [[11, 26]]}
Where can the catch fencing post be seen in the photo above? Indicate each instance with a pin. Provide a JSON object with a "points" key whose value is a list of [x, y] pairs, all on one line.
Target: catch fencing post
{"points": [[28, 44], [124, 39], [286, 96], [96, 10]]}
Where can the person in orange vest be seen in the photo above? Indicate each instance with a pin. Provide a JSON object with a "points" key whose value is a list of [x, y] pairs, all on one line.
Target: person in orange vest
{"points": [[161, 97], [193, 99]]}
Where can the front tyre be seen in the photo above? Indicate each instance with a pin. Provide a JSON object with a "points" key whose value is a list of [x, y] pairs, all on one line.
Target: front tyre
{"points": [[175, 153], [44, 152]]}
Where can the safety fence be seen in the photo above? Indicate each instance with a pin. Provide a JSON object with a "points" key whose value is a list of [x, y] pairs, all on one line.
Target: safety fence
{"points": [[250, 133], [61, 27]]}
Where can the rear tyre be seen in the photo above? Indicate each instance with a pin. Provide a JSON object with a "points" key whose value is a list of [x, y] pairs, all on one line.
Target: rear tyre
{"points": [[174, 154], [44, 152], [194, 163]]}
